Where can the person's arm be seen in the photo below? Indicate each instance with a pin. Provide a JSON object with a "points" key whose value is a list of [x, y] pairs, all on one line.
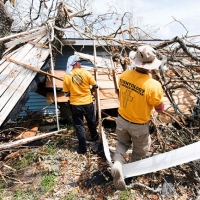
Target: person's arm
{"points": [[65, 87], [159, 108]]}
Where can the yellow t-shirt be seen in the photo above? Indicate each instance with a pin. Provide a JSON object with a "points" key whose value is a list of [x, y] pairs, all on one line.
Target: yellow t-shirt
{"points": [[139, 93], [78, 84]]}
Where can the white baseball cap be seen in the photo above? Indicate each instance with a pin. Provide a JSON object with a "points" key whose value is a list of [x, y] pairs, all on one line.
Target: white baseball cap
{"points": [[71, 62]]}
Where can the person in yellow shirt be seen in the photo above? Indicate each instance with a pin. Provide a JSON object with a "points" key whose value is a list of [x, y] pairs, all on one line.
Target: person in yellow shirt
{"points": [[139, 94], [77, 85]]}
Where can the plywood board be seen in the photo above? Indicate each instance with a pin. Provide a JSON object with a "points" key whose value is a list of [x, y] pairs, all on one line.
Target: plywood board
{"points": [[108, 94], [105, 80], [104, 94], [58, 83], [60, 97], [109, 103]]}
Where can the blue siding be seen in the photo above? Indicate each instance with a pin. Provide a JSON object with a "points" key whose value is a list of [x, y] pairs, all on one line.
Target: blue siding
{"points": [[37, 103], [61, 59]]}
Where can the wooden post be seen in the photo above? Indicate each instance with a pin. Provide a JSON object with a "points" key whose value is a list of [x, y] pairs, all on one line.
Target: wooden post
{"points": [[97, 92], [114, 77], [54, 87]]}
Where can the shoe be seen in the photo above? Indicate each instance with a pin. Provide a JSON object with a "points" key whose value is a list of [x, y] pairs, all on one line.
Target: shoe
{"points": [[130, 180], [95, 139], [118, 179], [96, 147], [80, 151]]}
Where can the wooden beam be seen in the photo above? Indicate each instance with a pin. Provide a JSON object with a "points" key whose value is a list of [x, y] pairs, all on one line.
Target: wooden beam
{"points": [[31, 68], [103, 79], [38, 44]]}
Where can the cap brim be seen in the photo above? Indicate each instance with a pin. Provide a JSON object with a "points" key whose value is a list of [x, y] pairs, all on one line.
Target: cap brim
{"points": [[153, 65], [81, 60]]}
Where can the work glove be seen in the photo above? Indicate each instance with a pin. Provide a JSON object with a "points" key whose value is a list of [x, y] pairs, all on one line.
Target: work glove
{"points": [[94, 87], [67, 94]]}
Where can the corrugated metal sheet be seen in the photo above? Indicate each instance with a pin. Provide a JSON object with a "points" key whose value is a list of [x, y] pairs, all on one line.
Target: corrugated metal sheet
{"points": [[37, 103]]}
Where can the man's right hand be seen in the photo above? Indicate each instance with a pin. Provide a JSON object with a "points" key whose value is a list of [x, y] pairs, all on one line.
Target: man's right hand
{"points": [[159, 108]]}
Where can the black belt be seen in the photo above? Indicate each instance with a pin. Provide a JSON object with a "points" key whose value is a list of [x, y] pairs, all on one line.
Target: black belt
{"points": [[130, 121]]}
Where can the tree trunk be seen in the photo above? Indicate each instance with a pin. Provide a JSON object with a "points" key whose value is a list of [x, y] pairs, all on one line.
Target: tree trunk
{"points": [[61, 20], [5, 25]]}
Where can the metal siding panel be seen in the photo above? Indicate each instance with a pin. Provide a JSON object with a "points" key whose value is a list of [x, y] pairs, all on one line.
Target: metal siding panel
{"points": [[37, 102], [61, 59]]}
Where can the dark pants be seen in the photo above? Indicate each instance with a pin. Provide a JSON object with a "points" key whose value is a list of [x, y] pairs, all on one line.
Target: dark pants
{"points": [[78, 112]]}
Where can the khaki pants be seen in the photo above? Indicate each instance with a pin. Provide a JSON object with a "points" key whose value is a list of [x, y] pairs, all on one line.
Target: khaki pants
{"points": [[129, 133]]}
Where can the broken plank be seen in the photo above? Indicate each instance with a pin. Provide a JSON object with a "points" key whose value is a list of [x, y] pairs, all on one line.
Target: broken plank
{"points": [[38, 44], [32, 131], [24, 39], [100, 61], [105, 84], [27, 140], [32, 68]]}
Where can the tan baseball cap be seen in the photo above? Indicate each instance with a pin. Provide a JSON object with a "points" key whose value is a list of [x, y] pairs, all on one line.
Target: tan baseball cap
{"points": [[145, 57]]}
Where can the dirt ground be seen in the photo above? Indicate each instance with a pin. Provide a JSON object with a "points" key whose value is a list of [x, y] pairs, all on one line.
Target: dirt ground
{"points": [[51, 169]]}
